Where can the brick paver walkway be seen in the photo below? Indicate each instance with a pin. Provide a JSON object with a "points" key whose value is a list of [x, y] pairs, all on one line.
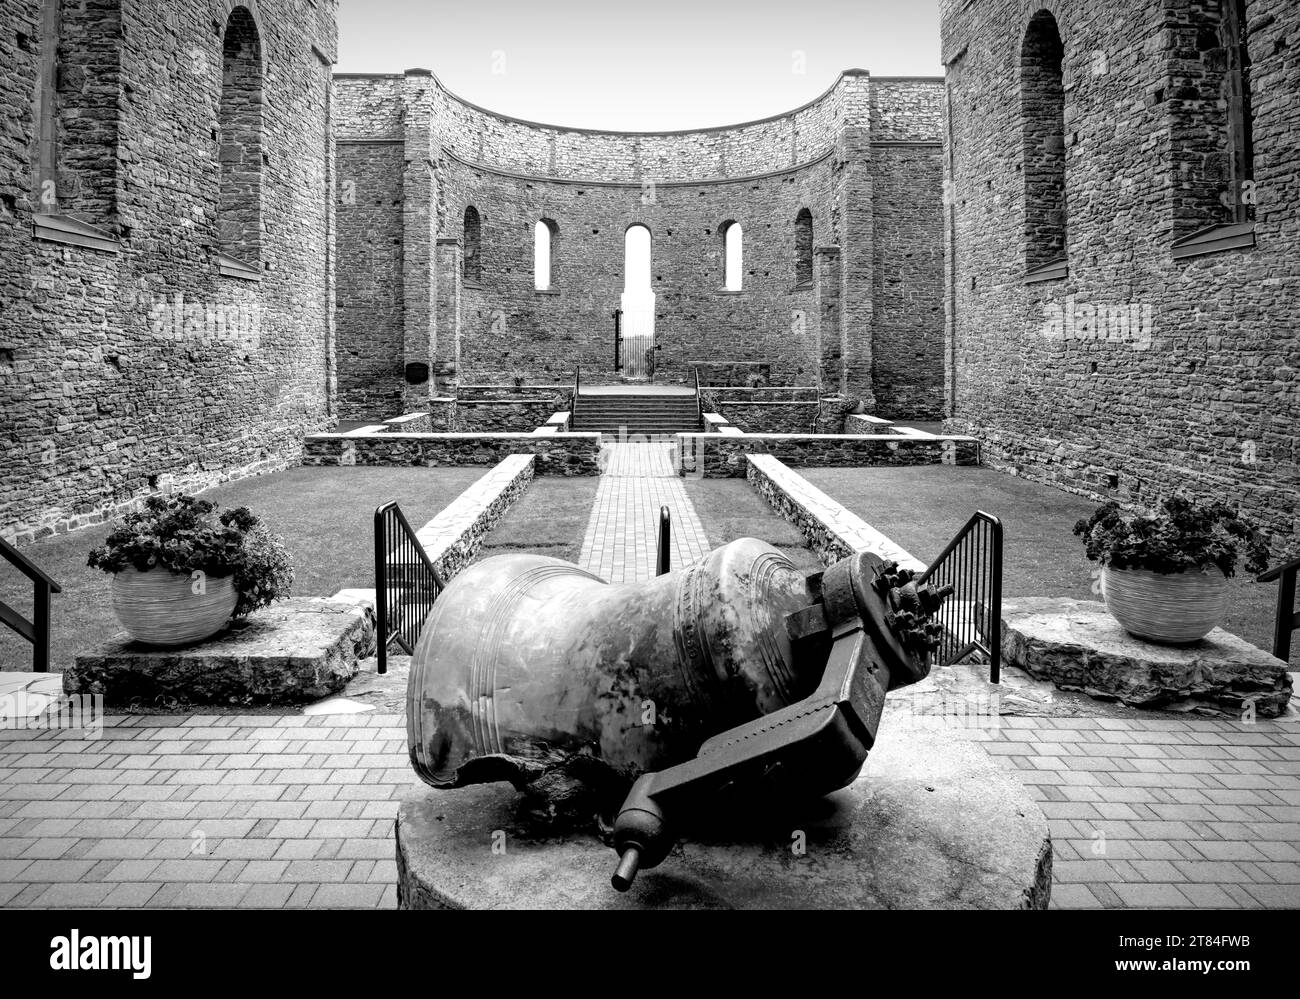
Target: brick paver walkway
{"points": [[205, 811], [297, 811], [1164, 812], [620, 543]]}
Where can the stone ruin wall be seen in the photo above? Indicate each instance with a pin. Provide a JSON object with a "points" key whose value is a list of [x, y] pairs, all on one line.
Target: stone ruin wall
{"points": [[1191, 376], [125, 370], [683, 186]]}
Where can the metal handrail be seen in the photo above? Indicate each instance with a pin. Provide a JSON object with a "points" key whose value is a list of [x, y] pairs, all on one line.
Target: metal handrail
{"points": [[1287, 619], [972, 617], [665, 541], [37, 630], [406, 583], [699, 401]]}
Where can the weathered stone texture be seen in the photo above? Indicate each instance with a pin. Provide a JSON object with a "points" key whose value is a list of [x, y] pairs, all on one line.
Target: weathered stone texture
{"points": [[722, 455], [557, 454], [121, 371], [492, 324], [1078, 646], [299, 650], [1138, 373]]}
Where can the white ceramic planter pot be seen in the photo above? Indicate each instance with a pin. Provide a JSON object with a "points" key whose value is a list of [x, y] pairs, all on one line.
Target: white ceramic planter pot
{"points": [[1173, 608], [160, 607]]}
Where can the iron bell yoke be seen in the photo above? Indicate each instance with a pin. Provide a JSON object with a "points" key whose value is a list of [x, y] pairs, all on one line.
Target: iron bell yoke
{"points": [[737, 672]]}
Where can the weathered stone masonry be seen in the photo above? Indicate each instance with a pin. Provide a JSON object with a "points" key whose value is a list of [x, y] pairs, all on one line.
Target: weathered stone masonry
{"points": [[864, 160], [131, 353], [1149, 363]]}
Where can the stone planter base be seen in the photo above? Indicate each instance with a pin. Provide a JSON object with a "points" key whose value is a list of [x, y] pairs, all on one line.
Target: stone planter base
{"points": [[932, 823], [295, 651], [1078, 645]]}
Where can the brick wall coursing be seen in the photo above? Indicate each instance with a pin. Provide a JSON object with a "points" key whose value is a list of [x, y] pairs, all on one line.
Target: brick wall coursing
{"points": [[1202, 390], [103, 395]]}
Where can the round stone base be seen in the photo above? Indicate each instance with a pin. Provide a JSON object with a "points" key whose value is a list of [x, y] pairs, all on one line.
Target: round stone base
{"points": [[932, 823]]}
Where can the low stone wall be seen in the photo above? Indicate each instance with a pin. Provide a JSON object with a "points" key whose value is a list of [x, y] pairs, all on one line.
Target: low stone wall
{"points": [[714, 422], [454, 536], [771, 417], [503, 416], [411, 423], [557, 454], [557, 424], [722, 455], [860, 423], [832, 531]]}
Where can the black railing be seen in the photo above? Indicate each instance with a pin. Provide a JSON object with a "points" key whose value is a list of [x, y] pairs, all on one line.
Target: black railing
{"points": [[1287, 620], [406, 583], [618, 339], [663, 564], [37, 630], [972, 617], [699, 402]]}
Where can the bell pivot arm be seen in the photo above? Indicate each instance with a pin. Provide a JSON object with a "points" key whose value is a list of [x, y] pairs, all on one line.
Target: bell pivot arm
{"points": [[815, 745]]}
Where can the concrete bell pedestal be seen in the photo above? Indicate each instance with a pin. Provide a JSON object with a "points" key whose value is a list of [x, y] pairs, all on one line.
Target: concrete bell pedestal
{"points": [[932, 823]]}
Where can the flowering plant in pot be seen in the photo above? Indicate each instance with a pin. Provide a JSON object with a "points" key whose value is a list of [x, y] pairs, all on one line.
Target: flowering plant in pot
{"points": [[1165, 572], [181, 570]]}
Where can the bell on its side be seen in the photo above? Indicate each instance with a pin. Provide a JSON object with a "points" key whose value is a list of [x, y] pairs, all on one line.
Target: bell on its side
{"points": [[529, 664]]}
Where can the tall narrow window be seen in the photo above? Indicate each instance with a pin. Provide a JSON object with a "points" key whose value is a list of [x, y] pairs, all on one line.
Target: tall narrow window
{"points": [[239, 217], [1042, 109], [543, 254], [733, 256], [77, 113], [472, 266], [803, 249], [638, 305], [1236, 93]]}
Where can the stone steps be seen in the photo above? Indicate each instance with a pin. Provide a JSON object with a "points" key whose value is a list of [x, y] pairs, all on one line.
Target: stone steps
{"points": [[636, 414]]}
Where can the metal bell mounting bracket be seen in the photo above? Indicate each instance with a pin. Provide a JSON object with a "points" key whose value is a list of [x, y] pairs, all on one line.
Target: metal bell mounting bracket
{"points": [[881, 631]]}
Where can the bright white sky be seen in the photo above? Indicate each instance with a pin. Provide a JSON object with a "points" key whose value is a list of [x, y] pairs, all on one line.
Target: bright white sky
{"points": [[628, 66]]}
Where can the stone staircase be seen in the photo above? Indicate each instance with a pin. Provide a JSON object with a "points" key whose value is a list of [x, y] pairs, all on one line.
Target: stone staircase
{"points": [[642, 414]]}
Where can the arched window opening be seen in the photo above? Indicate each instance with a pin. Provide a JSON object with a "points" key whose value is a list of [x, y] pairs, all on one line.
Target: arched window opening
{"points": [[733, 254], [472, 261], [637, 304], [239, 217], [544, 234], [803, 249], [1042, 97]]}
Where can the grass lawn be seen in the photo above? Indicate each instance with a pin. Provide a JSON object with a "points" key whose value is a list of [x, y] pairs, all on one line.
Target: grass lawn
{"points": [[324, 514], [550, 519], [732, 508], [922, 508]]}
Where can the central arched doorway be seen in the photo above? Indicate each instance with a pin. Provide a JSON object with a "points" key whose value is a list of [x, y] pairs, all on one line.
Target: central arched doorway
{"points": [[637, 305]]}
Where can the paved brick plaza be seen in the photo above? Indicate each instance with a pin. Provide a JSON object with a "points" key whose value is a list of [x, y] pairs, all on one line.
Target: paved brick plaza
{"points": [[297, 811]]}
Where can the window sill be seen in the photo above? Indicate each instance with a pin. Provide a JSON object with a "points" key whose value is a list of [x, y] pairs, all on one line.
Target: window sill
{"points": [[471, 285], [73, 232], [1216, 239], [546, 291], [1055, 271], [731, 291], [233, 267], [803, 286]]}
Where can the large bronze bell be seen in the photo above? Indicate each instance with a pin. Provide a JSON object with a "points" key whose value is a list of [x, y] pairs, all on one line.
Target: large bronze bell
{"points": [[736, 670]]}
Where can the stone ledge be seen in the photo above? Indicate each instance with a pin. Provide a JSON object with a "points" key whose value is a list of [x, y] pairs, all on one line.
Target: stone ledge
{"points": [[832, 531], [557, 453], [454, 536], [932, 823], [298, 650], [721, 454], [1077, 645]]}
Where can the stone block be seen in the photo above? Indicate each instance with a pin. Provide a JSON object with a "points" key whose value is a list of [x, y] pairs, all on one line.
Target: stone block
{"points": [[299, 650], [1078, 646]]}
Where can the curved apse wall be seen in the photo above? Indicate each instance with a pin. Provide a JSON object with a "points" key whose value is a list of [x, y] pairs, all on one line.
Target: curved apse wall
{"points": [[863, 159]]}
